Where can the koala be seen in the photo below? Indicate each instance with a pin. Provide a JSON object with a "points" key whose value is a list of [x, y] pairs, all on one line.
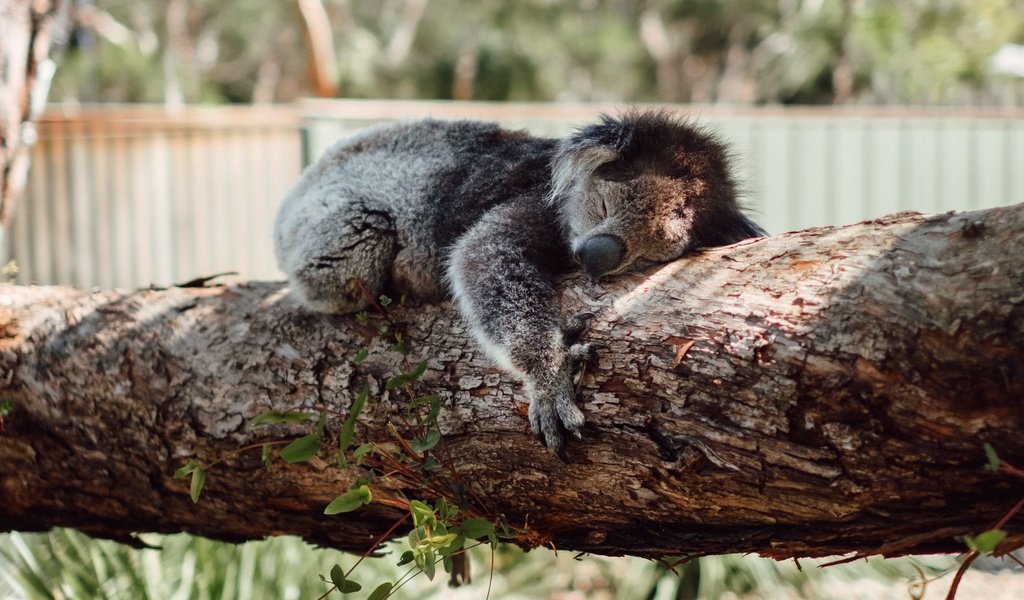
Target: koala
{"points": [[492, 217]]}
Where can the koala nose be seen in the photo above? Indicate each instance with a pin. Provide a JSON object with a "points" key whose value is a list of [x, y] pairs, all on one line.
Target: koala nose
{"points": [[600, 254]]}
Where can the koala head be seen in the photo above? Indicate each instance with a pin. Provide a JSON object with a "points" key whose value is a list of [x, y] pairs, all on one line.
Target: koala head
{"points": [[644, 188]]}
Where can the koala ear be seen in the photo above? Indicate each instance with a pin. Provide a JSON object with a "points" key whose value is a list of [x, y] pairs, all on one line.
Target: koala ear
{"points": [[580, 155], [572, 165]]}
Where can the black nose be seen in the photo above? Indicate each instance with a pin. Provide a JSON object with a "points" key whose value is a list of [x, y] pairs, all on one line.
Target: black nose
{"points": [[601, 254]]}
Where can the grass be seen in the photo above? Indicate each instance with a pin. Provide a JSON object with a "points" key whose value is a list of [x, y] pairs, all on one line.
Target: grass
{"points": [[66, 564]]}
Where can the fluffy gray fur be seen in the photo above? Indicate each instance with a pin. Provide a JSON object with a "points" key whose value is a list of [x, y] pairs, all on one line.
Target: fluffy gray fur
{"points": [[492, 217]]}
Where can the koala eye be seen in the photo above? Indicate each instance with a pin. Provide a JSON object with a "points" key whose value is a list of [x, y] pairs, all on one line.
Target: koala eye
{"points": [[603, 208]]}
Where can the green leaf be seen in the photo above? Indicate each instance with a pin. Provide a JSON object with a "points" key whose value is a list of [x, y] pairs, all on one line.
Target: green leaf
{"points": [[361, 356], [385, 301], [349, 501], [428, 566], [265, 455], [427, 441], [475, 529], [407, 557], [360, 452], [418, 371], [454, 546], [421, 513], [348, 428], [435, 410], [446, 561], [281, 416], [993, 458], [381, 591], [5, 407], [986, 542], [198, 481], [349, 587], [397, 381], [441, 507], [190, 466], [429, 464], [416, 536], [337, 576], [321, 424], [301, 449], [362, 318], [442, 541]]}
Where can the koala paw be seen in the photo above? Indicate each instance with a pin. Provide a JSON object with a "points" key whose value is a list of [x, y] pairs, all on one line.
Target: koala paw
{"points": [[553, 413]]}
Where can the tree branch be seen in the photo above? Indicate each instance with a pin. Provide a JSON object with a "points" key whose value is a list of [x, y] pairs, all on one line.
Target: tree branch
{"points": [[816, 393]]}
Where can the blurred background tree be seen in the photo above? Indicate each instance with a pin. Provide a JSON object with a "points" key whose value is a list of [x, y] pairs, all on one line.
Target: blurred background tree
{"points": [[923, 52]]}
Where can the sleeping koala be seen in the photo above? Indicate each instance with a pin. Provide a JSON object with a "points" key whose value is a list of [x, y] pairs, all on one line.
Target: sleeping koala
{"points": [[492, 217]]}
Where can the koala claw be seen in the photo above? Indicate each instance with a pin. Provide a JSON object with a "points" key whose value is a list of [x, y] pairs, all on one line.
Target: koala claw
{"points": [[552, 415], [575, 327], [582, 354]]}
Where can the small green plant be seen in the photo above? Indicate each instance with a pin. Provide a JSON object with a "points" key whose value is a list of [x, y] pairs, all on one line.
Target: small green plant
{"points": [[441, 530], [9, 271]]}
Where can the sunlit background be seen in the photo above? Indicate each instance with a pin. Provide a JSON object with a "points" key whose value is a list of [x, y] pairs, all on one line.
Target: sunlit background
{"points": [[175, 127]]}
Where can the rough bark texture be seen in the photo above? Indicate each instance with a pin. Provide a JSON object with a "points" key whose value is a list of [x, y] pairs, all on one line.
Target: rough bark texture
{"points": [[26, 32], [815, 393]]}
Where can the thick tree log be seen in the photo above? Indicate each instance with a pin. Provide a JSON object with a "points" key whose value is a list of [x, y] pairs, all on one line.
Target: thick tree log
{"points": [[815, 393]]}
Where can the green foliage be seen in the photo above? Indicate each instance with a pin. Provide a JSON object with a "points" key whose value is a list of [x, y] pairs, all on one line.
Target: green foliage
{"points": [[348, 428], [605, 50], [991, 457], [475, 529], [349, 501], [986, 542], [9, 271], [426, 441], [198, 473], [301, 449], [381, 591], [345, 586], [67, 564], [403, 379], [306, 446]]}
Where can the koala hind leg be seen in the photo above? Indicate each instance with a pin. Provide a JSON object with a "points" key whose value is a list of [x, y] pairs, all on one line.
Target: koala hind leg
{"points": [[341, 260]]}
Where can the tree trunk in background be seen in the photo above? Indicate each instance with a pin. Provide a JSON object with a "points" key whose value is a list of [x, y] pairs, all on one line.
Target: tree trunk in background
{"points": [[27, 29], [815, 393], [323, 62]]}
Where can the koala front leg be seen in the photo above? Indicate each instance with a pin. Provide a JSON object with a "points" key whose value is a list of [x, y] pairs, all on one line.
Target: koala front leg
{"points": [[501, 274]]}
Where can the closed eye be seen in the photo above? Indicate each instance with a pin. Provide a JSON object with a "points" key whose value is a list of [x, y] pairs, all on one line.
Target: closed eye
{"points": [[603, 209]]}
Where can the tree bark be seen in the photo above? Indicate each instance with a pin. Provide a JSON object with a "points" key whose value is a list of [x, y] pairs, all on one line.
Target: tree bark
{"points": [[27, 29], [816, 393]]}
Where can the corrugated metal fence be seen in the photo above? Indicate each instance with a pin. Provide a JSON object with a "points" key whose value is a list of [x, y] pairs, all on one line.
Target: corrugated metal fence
{"points": [[800, 167], [129, 197], [133, 196]]}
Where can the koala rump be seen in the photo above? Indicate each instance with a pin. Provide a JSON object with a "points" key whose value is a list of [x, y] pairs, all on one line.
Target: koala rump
{"points": [[491, 217]]}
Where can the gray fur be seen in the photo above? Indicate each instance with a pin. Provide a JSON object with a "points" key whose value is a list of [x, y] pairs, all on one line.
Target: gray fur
{"points": [[492, 217]]}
